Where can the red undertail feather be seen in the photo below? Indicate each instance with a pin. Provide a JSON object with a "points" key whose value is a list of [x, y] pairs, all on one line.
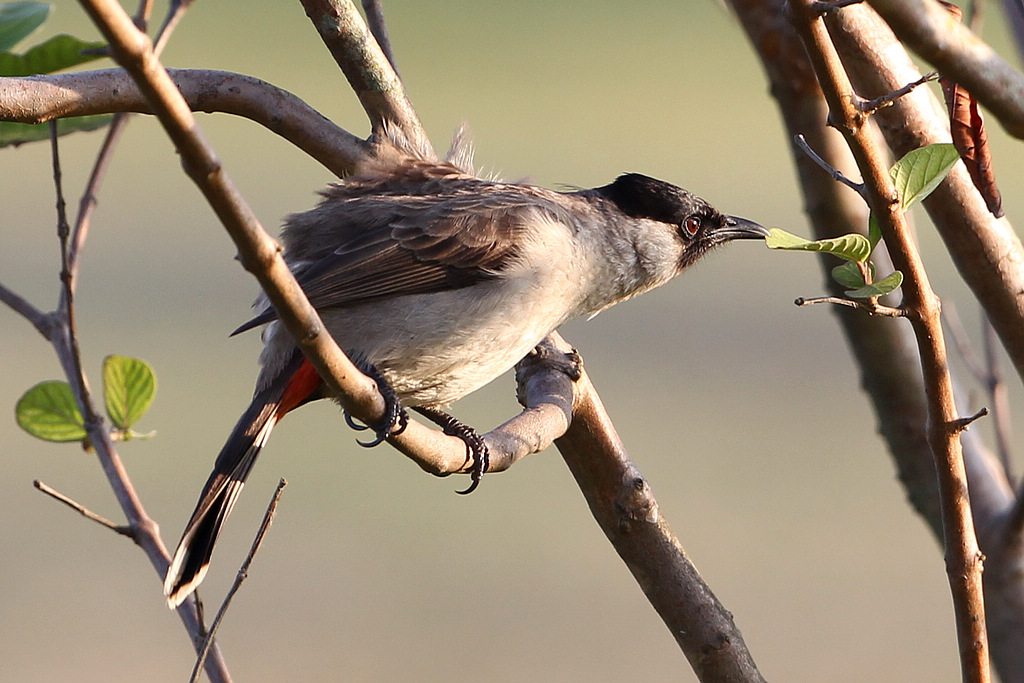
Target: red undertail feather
{"points": [[297, 384]]}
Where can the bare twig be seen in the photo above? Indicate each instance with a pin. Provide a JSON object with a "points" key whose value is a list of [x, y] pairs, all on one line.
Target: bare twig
{"points": [[954, 50], [963, 558], [43, 322], [243, 573], [986, 372], [87, 203], [836, 175], [123, 529], [1000, 400], [869, 107], [869, 307], [963, 423], [374, 10]]}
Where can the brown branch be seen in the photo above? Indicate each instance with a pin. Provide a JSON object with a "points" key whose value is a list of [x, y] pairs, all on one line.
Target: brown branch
{"points": [[242, 575], [956, 52], [625, 508], [34, 99], [374, 11], [963, 558], [369, 72]]}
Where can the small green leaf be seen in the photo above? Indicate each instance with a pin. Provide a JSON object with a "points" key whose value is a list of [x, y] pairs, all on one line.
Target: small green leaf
{"points": [[128, 389], [57, 53], [13, 133], [852, 247], [921, 171], [18, 19], [848, 274], [48, 411], [874, 231], [879, 288]]}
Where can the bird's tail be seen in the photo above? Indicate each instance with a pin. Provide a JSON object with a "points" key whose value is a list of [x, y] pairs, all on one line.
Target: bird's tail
{"points": [[297, 384]]}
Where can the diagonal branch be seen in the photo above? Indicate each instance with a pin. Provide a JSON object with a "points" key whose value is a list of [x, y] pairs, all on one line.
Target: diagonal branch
{"points": [[963, 558], [955, 51], [625, 508], [369, 72]]}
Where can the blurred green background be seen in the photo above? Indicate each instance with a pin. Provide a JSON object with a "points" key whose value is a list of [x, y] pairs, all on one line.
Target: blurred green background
{"points": [[743, 411]]}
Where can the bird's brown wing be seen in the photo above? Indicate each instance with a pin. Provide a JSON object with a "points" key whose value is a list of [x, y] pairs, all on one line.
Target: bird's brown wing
{"points": [[393, 246]]}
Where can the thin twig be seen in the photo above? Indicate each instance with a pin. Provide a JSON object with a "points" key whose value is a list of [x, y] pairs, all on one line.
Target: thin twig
{"points": [[958, 53], [87, 203], [999, 396], [67, 309], [869, 107], [801, 142], [374, 10], [960, 424], [866, 306], [43, 322], [123, 529], [243, 573]]}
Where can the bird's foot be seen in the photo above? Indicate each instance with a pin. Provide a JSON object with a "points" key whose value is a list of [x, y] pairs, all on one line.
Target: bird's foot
{"points": [[476, 448], [395, 418]]}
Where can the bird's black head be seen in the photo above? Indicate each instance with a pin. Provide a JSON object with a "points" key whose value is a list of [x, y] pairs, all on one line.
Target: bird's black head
{"points": [[699, 225]]}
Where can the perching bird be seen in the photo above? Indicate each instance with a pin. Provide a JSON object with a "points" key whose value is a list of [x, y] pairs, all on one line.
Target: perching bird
{"points": [[436, 282]]}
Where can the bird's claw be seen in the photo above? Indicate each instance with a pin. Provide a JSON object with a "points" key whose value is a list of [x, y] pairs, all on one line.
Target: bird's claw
{"points": [[476, 447], [395, 418]]}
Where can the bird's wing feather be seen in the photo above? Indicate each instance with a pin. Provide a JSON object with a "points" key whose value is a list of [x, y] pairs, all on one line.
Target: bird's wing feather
{"points": [[418, 245]]}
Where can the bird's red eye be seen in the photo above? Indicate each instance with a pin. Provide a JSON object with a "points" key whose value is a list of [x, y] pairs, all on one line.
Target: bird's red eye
{"points": [[690, 226]]}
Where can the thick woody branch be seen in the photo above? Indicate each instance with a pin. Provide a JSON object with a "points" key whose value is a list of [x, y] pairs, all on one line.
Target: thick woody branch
{"points": [[952, 48], [34, 99], [369, 72], [963, 558], [886, 353], [625, 508], [986, 250]]}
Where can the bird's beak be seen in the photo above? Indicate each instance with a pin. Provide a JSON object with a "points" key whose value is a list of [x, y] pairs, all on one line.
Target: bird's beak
{"points": [[736, 228]]}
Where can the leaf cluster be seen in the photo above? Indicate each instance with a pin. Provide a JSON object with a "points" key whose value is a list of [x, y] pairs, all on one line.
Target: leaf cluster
{"points": [[48, 410], [914, 176]]}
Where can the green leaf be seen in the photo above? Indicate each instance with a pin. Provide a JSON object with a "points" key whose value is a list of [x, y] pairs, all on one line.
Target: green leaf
{"points": [[921, 171], [18, 19], [57, 53], [48, 411], [874, 231], [848, 274], [128, 389], [851, 247], [879, 288], [13, 133]]}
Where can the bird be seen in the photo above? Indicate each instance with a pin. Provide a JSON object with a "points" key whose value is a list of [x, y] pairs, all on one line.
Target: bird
{"points": [[435, 281]]}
